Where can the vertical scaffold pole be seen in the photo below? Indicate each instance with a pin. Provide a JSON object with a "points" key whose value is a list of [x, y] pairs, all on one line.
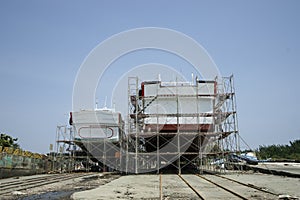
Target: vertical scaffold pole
{"points": [[136, 126], [178, 136]]}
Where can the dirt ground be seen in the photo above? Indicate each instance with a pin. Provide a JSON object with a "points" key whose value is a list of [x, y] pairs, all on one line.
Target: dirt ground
{"points": [[61, 190], [147, 187]]}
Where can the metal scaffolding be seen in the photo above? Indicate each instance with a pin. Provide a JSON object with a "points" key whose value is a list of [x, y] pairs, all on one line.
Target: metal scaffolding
{"points": [[170, 126], [168, 140], [227, 141], [87, 144], [63, 158]]}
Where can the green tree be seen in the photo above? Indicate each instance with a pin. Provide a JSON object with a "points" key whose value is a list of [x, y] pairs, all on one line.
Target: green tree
{"points": [[291, 151], [8, 141]]}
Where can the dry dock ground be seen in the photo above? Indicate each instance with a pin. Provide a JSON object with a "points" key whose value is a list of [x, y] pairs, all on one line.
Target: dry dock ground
{"points": [[191, 186], [51, 186], [232, 185]]}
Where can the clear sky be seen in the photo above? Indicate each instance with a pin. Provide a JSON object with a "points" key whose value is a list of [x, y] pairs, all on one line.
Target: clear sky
{"points": [[43, 43]]}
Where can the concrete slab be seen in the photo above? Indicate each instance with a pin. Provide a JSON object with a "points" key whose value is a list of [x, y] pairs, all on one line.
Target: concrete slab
{"points": [[174, 188], [275, 184], [208, 190], [282, 166], [147, 187], [126, 187]]}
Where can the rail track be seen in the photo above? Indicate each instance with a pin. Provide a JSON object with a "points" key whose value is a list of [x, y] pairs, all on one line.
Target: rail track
{"points": [[190, 186], [219, 187], [7, 187], [248, 185]]}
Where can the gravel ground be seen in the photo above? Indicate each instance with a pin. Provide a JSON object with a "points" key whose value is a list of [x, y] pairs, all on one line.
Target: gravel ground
{"points": [[147, 187], [61, 190]]}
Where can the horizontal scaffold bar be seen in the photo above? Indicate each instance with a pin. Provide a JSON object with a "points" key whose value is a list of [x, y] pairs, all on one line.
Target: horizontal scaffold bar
{"points": [[182, 115], [133, 134]]}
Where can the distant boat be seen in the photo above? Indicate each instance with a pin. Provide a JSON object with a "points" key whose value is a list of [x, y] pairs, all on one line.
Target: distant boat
{"points": [[249, 158], [98, 133], [102, 123]]}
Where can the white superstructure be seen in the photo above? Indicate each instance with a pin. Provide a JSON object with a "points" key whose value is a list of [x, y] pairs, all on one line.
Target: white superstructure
{"points": [[98, 123]]}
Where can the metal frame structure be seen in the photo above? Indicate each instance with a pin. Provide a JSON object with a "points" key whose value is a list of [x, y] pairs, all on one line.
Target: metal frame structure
{"points": [[227, 141], [148, 148], [63, 158], [189, 148], [88, 154]]}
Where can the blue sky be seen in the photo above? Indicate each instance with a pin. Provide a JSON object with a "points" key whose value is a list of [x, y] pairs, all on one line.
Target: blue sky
{"points": [[43, 43]]}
